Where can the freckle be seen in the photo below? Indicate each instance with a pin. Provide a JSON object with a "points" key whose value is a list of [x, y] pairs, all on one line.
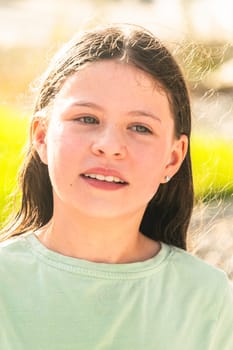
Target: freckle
{"points": [[71, 185]]}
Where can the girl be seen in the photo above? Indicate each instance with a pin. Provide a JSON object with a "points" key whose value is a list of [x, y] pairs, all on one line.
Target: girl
{"points": [[97, 257]]}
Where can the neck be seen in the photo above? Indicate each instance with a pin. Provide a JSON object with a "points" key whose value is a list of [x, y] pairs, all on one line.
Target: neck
{"points": [[107, 240]]}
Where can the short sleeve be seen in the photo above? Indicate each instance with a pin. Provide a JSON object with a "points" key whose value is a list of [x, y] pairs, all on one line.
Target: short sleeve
{"points": [[223, 334]]}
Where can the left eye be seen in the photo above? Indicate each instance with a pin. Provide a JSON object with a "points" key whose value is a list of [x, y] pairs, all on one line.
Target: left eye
{"points": [[87, 120], [141, 129]]}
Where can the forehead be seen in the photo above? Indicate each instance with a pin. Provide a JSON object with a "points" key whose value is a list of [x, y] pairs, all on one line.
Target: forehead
{"points": [[114, 89], [111, 81]]}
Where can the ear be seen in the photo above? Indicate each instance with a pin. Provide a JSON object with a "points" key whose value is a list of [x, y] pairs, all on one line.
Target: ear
{"points": [[178, 153], [38, 134]]}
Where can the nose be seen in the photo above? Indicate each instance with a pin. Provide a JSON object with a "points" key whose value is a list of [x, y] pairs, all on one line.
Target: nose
{"points": [[110, 144]]}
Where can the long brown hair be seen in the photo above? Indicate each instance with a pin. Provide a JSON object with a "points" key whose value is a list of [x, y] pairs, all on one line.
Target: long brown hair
{"points": [[167, 215]]}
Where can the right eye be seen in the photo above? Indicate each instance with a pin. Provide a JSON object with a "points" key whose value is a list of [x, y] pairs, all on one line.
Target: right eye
{"points": [[87, 119]]}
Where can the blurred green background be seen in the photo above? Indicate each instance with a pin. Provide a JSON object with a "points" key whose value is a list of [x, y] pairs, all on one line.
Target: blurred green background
{"points": [[198, 32]]}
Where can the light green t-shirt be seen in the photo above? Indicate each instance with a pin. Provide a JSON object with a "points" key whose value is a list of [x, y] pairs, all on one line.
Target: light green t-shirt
{"points": [[53, 302]]}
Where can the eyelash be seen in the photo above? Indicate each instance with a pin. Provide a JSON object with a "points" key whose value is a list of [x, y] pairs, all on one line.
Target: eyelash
{"points": [[142, 127], [88, 119]]}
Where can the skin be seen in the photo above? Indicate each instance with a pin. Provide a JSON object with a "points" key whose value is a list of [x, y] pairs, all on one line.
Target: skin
{"points": [[109, 115]]}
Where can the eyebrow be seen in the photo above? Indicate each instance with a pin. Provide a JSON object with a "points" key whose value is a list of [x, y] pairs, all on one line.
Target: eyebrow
{"points": [[86, 104], [136, 113], [143, 113]]}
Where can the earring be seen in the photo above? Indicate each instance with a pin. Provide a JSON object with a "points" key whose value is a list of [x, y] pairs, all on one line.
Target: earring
{"points": [[167, 178]]}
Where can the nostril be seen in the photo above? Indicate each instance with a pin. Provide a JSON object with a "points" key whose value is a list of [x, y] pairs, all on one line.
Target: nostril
{"points": [[108, 150], [98, 151]]}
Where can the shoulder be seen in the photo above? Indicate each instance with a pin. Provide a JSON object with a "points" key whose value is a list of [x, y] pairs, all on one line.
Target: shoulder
{"points": [[191, 265], [196, 273], [205, 294], [13, 250], [202, 286]]}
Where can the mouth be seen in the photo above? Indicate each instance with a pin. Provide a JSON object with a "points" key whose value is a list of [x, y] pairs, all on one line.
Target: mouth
{"points": [[104, 178]]}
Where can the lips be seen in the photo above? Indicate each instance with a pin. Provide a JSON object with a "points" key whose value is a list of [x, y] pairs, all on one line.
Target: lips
{"points": [[107, 176], [101, 177]]}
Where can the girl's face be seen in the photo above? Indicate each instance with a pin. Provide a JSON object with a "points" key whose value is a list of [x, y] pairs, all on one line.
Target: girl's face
{"points": [[109, 142]]}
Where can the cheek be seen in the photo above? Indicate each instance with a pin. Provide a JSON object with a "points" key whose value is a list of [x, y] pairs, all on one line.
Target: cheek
{"points": [[153, 157], [151, 165], [62, 152], [63, 142]]}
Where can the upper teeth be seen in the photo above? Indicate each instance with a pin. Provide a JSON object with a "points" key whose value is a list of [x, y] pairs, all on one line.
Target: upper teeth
{"points": [[104, 178]]}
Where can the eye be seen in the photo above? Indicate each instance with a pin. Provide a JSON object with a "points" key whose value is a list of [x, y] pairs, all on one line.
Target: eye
{"points": [[87, 119], [141, 129]]}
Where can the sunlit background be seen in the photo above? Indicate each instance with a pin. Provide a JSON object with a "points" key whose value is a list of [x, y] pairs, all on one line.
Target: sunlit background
{"points": [[198, 32]]}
